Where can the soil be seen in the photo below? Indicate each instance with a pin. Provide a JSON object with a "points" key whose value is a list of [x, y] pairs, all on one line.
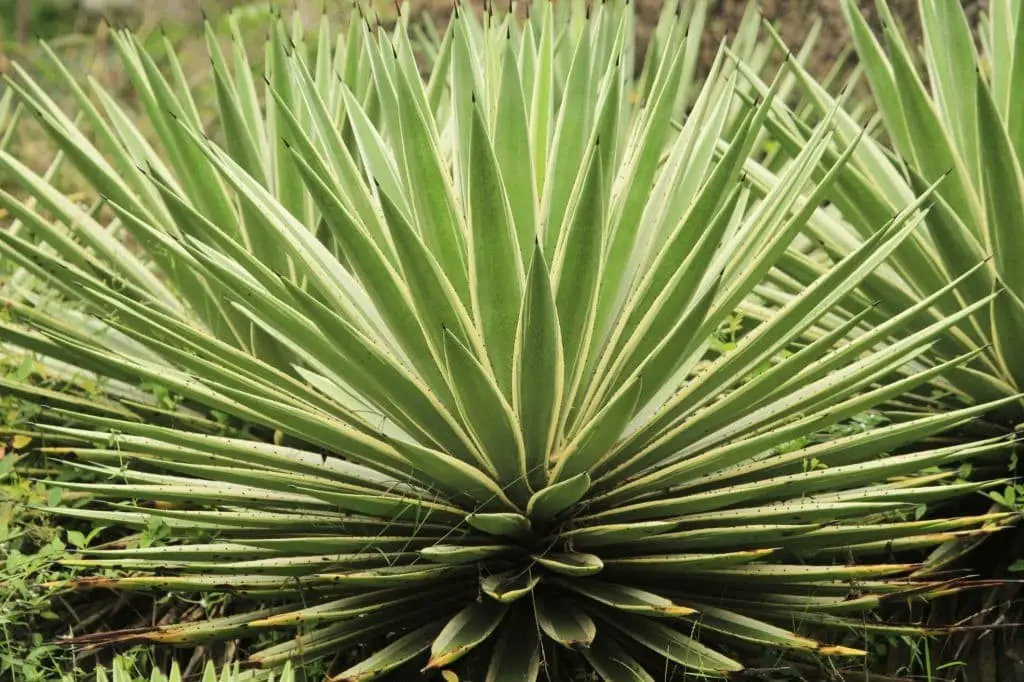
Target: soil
{"points": [[792, 18]]}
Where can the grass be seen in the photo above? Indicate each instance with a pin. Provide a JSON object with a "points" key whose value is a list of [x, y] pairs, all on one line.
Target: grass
{"points": [[29, 544]]}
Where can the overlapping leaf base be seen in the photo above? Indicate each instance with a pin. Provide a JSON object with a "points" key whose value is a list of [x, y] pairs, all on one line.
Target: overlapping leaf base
{"points": [[481, 316]]}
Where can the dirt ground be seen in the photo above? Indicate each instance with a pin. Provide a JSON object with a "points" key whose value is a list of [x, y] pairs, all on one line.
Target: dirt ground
{"points": [[793, 19]]}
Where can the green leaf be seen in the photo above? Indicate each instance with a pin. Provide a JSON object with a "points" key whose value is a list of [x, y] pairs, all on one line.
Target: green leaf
{"points": [[517, 653], [576, 270], [613, 534], [673, 645], [594, 441], [496, 268], [750, 629], [538, 370], [549, 502], [565, 624], [503, 524], [513, 152], [626, 598], [428, 185], [465, 554], [465, 631], [683, 563], [613, 663], [1004, 190], [403, 649], [487, 416], [509, 586], [570, 563]]}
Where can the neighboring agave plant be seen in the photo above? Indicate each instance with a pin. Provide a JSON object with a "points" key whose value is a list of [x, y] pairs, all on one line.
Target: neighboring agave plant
{"points": [[957, 122], [120, 671], [472, 325]]}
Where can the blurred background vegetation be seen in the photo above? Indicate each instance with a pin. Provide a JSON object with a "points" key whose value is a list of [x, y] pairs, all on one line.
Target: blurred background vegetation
{"points": [[20, 20]]}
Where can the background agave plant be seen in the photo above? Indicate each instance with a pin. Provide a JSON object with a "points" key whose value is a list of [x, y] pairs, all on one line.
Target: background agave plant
{"points": [[952, 120], [946, 112], [121, 672], [473, 324]]}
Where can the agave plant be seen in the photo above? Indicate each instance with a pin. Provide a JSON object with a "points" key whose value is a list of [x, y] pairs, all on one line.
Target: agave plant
{"points": [[120, 671], [954, 125], [473, 325], [954, 121]]}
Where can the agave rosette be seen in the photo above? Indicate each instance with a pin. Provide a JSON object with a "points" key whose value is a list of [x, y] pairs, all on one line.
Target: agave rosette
{"points": [[478, 314]]}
